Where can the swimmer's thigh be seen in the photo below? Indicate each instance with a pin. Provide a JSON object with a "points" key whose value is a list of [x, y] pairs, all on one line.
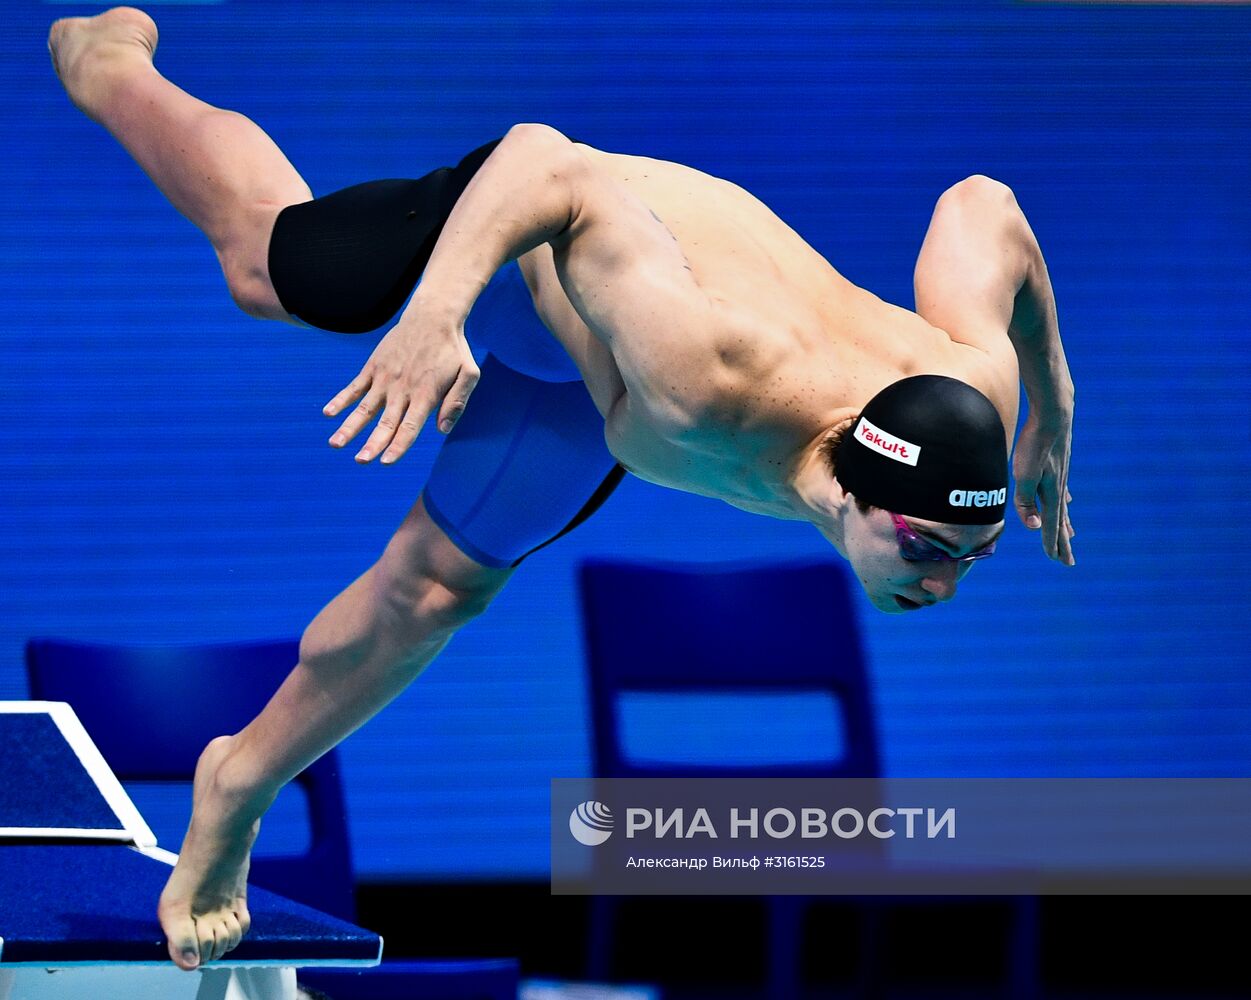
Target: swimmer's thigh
{"points": [[525, 464]]}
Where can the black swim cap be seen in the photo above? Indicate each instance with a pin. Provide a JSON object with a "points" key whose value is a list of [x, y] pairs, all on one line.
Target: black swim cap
{"points": [[931, 447]]}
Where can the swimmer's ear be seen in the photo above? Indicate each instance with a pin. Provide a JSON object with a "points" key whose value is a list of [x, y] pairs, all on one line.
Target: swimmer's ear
{"points": [[837, 493], [457, 398]]}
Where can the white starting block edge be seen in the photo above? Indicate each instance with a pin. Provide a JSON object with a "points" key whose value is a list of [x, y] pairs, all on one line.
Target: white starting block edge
{"points": [[134, 829], [169, 858], [124, 981]]}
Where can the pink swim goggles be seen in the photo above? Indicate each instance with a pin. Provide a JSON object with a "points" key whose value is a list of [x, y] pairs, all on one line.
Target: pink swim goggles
{"points": [[914, 548]]}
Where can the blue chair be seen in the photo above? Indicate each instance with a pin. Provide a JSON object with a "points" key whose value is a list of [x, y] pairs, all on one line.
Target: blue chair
{"points": [[786, 627], [738, 628], [151, 711], [464, 979]]}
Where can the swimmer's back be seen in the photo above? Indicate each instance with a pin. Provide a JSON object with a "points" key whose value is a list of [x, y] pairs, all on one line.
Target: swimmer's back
{"points": [[740, 251]]}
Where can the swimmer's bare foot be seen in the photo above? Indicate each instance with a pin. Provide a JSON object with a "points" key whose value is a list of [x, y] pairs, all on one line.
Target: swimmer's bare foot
{"points": [[90, 54], [204, 909]]}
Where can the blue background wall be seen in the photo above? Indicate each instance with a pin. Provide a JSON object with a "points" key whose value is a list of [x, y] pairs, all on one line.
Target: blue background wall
{"points": [[165, 471]]}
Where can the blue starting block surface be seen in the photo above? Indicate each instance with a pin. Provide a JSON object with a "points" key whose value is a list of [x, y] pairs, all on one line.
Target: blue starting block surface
{"points": [[80, 872], [55, 783]]}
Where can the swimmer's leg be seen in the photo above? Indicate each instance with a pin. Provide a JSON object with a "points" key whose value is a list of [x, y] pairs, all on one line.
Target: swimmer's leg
{"points": [[218, 168], [362, 650]]}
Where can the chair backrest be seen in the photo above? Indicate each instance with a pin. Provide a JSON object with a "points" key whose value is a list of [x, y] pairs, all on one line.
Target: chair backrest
{"points": [[152, 709], [746, 627]]}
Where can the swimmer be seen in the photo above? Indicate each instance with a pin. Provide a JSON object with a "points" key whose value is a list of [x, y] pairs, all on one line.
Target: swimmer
{"points": [[705, 347]]}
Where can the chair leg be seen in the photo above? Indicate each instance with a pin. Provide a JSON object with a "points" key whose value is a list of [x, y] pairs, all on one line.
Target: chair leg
{"points": [[1024, 981], [870, 983], [784, 947], [602, 931]]}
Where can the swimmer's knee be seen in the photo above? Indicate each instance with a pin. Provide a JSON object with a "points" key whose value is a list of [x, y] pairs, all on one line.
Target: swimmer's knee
{"points": [[428, 584], [425, 587], [445, 608], [423, 606], [249, 288], [243, 255], [251, 300]]}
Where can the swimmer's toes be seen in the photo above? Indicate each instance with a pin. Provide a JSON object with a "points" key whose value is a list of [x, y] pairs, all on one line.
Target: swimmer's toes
{"points": [[180, 935], [234, 932], [219, 934], [208, 939], [221, 938], [88, 51]]}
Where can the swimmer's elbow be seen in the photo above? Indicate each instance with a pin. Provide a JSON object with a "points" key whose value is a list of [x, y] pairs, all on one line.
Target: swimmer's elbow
{"points": [[536, 131], [551, 150], [983, 190], [552, 158]]}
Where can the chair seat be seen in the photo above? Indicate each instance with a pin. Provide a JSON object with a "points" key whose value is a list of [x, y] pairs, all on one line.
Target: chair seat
{"points": [[463, 979]]}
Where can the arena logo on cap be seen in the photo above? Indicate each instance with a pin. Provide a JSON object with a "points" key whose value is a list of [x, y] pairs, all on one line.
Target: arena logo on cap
{"points": [[887, 444], [978, 498]]}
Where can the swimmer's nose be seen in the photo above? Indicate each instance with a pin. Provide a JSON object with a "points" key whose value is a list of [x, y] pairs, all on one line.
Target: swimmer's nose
{"points": [[941, 583]]}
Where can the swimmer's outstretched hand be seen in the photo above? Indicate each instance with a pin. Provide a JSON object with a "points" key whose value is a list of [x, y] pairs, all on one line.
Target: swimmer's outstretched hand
{"points": [[422, 364], [1041, 469]]}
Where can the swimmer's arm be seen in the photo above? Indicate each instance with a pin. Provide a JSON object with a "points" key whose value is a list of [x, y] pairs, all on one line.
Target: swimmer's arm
{"points": [[981, 278], [524, 195], [619, 265]]}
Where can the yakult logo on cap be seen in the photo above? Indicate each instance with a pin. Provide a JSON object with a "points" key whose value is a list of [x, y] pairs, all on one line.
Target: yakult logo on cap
{"points": [[887, 444]]}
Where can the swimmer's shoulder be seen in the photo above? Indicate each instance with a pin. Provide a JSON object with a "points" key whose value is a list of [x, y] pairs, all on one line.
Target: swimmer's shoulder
{"points": [[997, 378], [634, 168]]}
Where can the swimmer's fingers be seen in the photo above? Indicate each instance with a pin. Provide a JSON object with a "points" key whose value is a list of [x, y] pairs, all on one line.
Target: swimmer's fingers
{"points": [[454, 396], [1057, 531], [1051, 517], [1025, 501], [406, 433], [1064, 532], [1040, 466], [388, 424], [457, 398], [1027, 470], [365, 412], [423, 364], [354, 391], [1069, 533], [1064, 543], [1037, 502]]}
